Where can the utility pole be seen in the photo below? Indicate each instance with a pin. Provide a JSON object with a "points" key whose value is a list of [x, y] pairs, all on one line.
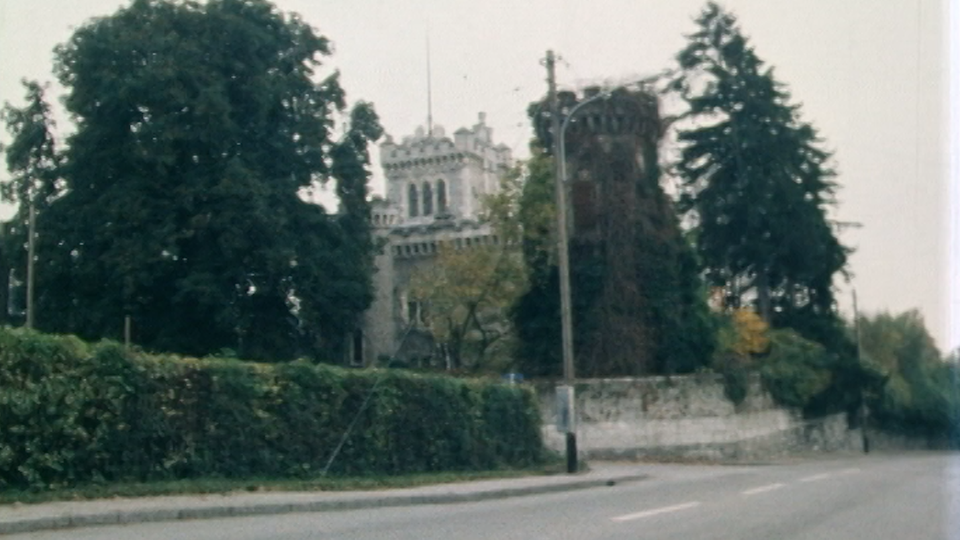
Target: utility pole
{"points": [[566, 394], [31, 254], [863, 402]]}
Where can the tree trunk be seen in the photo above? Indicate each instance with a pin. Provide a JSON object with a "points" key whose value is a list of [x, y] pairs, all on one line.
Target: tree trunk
{"points": [[763, 295], [4, 291]]}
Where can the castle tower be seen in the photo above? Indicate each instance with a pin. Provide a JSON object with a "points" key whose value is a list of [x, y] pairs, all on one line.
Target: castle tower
{"points": [[435, 186], [430, 176], [633, 275]]}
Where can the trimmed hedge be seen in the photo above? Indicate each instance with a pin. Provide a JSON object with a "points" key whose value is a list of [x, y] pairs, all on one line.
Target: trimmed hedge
{"points": [[73, 413]]}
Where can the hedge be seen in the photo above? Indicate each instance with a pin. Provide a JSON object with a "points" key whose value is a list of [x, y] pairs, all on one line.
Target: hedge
{"points": [[74, 413]]}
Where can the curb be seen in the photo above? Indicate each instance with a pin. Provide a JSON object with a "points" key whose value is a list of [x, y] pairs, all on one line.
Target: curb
{"points": [[241, 510]]}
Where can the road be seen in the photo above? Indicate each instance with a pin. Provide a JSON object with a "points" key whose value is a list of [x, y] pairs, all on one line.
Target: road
{"points": [[906, 497]]}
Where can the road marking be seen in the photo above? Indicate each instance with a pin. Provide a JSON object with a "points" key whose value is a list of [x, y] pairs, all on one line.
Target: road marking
{"points": [[763, 489], [816, 477], [657, 511]]}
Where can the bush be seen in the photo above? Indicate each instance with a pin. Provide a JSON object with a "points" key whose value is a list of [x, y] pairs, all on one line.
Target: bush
{"points": [[71, 413], [917, 393], [796, 370]]}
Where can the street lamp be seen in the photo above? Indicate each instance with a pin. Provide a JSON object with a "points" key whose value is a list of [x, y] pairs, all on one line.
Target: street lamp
{"points": [[566, 321]]}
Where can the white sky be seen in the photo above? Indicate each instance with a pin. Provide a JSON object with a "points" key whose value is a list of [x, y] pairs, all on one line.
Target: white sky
{"points": [[872, 76]]}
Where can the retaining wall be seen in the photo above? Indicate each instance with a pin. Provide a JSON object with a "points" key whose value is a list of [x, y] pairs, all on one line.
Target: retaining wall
{"points": [[689, 417]]}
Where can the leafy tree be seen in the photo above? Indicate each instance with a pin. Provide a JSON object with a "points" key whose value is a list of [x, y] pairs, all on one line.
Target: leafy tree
{"points": [[199, 128], [34, 162], [797, 370], [755, 183], [748, 334], [468, 291], [919, 393]]}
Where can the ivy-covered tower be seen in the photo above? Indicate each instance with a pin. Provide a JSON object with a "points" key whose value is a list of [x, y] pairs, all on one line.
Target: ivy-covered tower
{"points": [[638, 307]]}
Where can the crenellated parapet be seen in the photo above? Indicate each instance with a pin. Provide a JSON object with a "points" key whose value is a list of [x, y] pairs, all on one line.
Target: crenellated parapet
{"points": [[434, 151], [430, 175], [623, 113]]}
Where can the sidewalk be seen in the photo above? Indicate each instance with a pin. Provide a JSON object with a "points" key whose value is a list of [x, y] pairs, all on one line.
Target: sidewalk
{"points": [[60, 515]]}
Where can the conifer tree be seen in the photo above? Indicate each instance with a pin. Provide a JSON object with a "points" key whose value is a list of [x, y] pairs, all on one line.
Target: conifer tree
{"points": [[755, 183]]}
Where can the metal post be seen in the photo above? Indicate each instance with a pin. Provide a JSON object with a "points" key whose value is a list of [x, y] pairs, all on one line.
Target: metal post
{"points": [[863, 402], [566, 319], [31, 254], [127, 330]]}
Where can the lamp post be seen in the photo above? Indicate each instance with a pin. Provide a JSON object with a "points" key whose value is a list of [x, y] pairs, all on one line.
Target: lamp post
{"points": [[569, 372], [863, 398], [566, 397]]}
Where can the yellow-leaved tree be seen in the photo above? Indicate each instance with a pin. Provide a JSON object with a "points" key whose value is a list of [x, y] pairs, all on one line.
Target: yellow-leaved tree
{"points": [[468, 290], [744, 335], [751, 333]]}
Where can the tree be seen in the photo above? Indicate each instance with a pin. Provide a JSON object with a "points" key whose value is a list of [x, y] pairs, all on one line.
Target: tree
{"points": [[755, 183], [919, 393], [199, 128], [469, 290], [33, 160], [744, 336]]}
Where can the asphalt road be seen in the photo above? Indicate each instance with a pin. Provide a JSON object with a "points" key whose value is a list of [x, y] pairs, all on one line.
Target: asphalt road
{"points": [[907, 497]]}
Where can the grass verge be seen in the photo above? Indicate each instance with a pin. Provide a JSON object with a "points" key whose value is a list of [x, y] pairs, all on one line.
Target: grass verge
{"points": [[206, 486]]}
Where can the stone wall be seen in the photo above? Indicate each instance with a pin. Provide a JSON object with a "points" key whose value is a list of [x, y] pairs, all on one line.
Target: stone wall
{"points": [[689, 417]]}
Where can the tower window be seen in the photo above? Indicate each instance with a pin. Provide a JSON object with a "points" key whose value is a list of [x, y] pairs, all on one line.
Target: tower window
{"points": [[441, 197], [414, 201], [427, 199]]}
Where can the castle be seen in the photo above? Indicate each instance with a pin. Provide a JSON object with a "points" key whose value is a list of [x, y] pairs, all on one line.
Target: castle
{"points": [[434, 187]]}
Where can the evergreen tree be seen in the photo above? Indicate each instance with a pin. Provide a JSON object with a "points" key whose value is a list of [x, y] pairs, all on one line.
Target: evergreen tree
{"points": [[199, 128], [34, 162], [756, 183]]}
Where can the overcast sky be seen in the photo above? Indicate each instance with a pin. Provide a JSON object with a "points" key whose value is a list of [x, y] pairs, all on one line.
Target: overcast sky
{"points": [[871, 75]]}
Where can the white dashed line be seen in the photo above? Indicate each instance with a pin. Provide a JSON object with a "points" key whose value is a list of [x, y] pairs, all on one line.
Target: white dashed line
{"points": [[657, 511], [763, 489], [816, 477]]}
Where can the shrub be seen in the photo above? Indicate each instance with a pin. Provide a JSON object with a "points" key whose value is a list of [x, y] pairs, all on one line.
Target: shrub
{"points": [[796, 370], [71, 413]]}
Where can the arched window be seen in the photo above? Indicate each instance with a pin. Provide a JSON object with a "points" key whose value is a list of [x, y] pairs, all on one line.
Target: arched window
{"points": [[441, 197], [413, 202], [427, 199]]}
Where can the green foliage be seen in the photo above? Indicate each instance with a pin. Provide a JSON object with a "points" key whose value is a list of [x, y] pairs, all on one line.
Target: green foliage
{"points": [[920, 394], [796, 370], [755, 182], [201, 127], [736, 381], [32, 155], [34, 163], [75, 413], [468, 291]]}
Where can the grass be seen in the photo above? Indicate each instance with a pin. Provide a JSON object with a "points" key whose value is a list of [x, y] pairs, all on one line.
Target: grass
{"points": [[204, 486]]}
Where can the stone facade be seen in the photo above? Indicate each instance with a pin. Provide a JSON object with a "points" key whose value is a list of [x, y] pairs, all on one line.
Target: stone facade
{"points": [[689, 417], [435, 185]]}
